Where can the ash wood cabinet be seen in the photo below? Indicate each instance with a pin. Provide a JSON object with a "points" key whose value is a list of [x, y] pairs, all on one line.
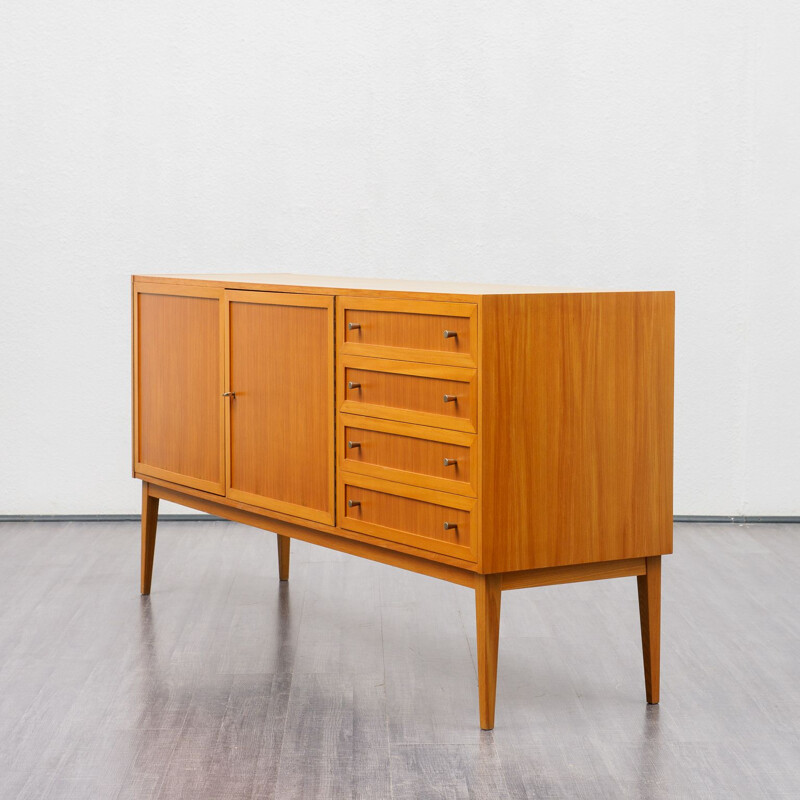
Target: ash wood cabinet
{"points": [[496, 437]]}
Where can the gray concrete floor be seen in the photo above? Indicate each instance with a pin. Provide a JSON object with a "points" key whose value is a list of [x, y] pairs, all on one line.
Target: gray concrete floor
{"points": [[359, 680]]}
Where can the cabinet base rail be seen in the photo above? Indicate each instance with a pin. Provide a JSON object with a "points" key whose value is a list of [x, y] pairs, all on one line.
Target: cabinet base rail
{"points": [[488, 588]]}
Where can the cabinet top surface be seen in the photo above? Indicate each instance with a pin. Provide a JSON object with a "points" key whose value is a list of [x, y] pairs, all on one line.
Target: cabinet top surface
{"points": [[283, 281]]}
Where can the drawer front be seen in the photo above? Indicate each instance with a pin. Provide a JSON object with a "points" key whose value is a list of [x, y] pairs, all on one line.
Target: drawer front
{"points": [[444, 397], [421, 518], [411, 330], [410, 454]]}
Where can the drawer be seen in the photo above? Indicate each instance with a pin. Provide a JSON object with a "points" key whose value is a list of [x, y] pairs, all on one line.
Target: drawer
{"points": [[412, 454], [409, 330], [443, 397], [422, 518]]}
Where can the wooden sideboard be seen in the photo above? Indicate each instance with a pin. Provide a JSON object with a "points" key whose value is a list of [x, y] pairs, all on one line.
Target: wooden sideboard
{"points": [[496, 437]]}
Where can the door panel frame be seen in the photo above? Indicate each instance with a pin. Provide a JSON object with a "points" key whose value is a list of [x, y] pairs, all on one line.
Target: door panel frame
{"points": [[173, 290], [300, 301]]}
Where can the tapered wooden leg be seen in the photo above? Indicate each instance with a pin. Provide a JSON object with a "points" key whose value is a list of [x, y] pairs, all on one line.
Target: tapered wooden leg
{"points": [[487, 607], [283, 557], [650, 616], [149, 522]]}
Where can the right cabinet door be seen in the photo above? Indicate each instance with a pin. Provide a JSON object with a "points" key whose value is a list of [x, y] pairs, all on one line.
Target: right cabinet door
{"points": [[279, 402]]}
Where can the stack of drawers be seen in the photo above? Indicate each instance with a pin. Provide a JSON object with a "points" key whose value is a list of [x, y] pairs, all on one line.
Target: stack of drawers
{"points": [[407, 421]]}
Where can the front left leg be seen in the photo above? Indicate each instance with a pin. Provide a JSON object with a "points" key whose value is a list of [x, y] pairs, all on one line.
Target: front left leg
{"points": [[149, 523], [487, 607]]}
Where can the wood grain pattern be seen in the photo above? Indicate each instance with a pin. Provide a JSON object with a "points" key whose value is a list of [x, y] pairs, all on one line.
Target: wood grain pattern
{"points": [[408, 514], [576, 428], [409, 392], [408, 330], [281, 433], [487, 608], [149, 524], [649, 586], [406, 453], [178, 376]]}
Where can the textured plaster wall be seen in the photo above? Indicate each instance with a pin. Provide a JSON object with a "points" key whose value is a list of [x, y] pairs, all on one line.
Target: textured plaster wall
{"points": [[615, 144]]}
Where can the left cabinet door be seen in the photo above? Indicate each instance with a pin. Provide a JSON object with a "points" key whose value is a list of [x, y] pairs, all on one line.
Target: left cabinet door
{"points": [[178, 379], [280, 408]]}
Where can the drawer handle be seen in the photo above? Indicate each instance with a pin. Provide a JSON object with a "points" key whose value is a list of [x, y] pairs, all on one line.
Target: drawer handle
{"points": [[354, 503], [353, 385], [450, 462], [450, 398], [353, 326], [450, 334], [351, 445], [229, 394], [450, 526]]}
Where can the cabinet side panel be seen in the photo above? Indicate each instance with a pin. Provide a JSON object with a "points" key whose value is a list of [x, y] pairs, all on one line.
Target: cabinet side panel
{"points": [[576, 427], [179, 388]]}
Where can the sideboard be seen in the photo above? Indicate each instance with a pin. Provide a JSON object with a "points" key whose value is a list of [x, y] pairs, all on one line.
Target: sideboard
{"points": [[493, 436]]}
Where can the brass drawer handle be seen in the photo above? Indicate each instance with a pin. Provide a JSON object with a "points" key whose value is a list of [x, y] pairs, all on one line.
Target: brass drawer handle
{"points": [[450, 462], [354, 503], [229, 394], [351, 445], [353, 326], [450, 334], [450, 526], [353, 385], [450, 398]]}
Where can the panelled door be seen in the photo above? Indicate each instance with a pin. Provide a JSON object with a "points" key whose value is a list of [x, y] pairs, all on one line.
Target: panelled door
{"points": [[178, 376], [279, 403]]}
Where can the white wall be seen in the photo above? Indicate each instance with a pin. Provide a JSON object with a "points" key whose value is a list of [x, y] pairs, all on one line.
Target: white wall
{"points": [[616, 144]]}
